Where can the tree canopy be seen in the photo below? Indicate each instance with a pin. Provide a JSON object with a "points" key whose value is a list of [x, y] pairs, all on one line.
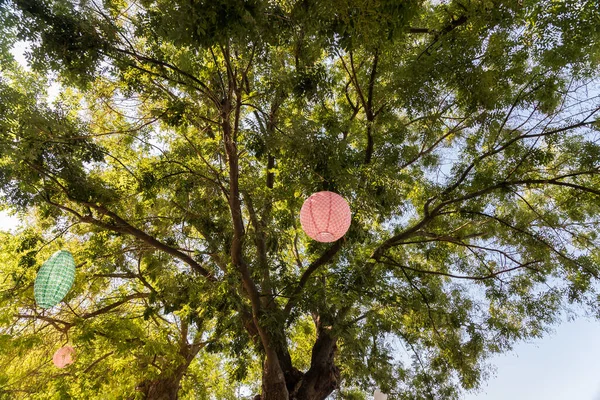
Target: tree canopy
{"points": [[186, 136]]}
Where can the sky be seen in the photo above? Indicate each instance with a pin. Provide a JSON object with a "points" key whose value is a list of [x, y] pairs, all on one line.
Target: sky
{"points": [[561, 366], [564, 365], [8, 222]]}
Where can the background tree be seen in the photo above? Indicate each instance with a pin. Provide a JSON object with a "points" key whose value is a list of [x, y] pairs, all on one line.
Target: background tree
{"points": [[175, 160]]}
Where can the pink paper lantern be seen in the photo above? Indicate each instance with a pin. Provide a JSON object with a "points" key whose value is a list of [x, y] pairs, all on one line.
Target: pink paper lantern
{"points": [[63, 356], [325, 216]]}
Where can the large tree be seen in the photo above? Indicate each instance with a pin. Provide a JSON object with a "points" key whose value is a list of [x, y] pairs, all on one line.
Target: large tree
{"points": [[187, 134]]}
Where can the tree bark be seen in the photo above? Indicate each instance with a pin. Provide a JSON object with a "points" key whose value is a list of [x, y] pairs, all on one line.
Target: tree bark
{"points": [[166, 386], [317, 383], [323, 376], [161, 388], [273, 382]]}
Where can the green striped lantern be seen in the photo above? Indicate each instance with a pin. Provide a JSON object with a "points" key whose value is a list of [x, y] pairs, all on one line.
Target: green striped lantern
{"points": [[54, 279]]}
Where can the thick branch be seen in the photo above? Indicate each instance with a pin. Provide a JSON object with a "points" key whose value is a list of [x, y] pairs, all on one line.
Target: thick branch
{"points": [[53, 321], [468, 277], [93, 364], [154, 242], [419, 30], [122, 226], [430, 214], [369, 109], [324, 259], [261, 248], [534, 236], [508, 143], [204, 88], [455, 23], [114, 305]]}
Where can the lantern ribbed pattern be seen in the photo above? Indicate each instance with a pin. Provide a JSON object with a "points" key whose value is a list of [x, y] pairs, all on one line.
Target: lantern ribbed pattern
{"points": [[325, 216], [54, 279], [63, 357]]}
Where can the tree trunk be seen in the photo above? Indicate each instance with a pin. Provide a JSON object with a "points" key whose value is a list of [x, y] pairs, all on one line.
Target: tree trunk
{"points": [[316, 384], [273, 383], [323, 376], [166, 386], [161, 389]]}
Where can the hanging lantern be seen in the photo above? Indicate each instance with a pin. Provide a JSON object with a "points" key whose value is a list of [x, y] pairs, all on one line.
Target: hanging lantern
{"points": [[325, 216], [379, 396], [63, 357], [54, 279]]}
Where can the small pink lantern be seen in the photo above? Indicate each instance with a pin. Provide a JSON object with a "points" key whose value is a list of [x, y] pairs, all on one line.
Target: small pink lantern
{"points": [[325, 216], [379, 396], [63, 357]]}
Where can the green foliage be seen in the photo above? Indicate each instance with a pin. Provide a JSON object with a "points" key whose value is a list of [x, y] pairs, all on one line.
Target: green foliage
{"points": [[186, 136]]}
